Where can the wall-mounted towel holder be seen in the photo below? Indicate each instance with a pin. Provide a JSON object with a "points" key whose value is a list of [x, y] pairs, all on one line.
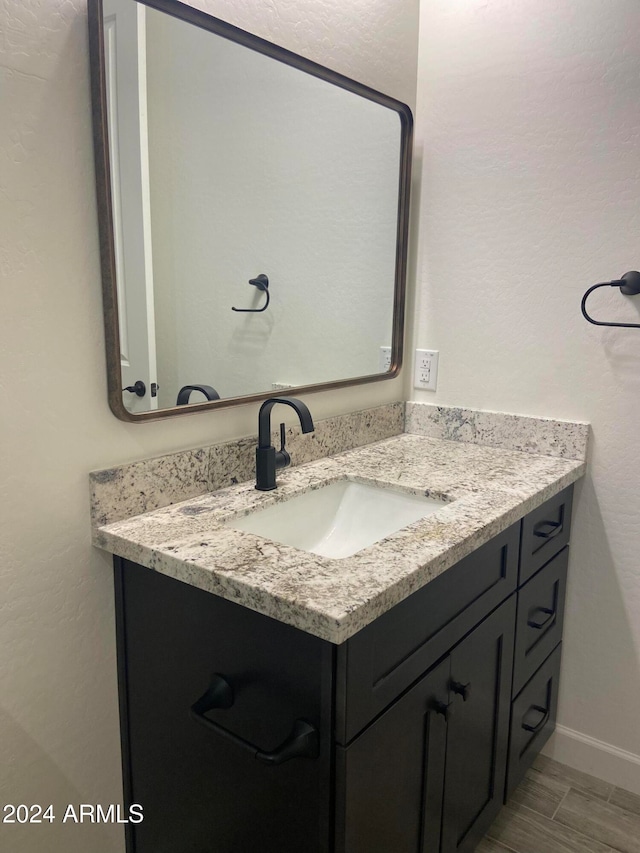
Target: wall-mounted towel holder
{"points": [[185, 393], [262, 283], [629, 284]]}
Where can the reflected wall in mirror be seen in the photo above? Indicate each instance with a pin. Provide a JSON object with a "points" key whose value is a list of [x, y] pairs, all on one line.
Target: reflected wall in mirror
{"points": [[253, 214]]}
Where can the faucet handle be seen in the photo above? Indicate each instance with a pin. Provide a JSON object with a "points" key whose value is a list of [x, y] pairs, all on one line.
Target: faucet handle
{"points": [[282, 457]]}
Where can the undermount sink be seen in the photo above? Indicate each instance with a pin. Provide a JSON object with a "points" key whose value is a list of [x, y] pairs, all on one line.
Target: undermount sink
{"points": [[339, 519]]}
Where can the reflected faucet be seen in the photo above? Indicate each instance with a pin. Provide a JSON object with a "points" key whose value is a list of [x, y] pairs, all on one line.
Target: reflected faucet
{"points": [[268, 459]]}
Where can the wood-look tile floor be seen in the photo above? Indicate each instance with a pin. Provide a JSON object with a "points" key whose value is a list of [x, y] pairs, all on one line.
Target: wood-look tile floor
{"points": [[560, 810]]}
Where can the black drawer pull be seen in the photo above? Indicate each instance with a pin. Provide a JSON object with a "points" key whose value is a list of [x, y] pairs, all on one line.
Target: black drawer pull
{"points": [[551, 613], [541, 723], [553, 528], [302, 742]]}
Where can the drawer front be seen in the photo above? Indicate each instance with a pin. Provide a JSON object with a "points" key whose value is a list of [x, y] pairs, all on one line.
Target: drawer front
{"points": [[545, 531], [376, 665], [540, 618], [533, 719]]}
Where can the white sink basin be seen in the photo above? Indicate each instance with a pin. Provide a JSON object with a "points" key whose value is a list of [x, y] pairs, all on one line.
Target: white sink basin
{"points": [[337, 520]]}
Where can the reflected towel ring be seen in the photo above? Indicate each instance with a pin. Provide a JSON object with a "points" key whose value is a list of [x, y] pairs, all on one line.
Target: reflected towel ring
{"points": [[262, 283], [185, 393], [629, 284]]}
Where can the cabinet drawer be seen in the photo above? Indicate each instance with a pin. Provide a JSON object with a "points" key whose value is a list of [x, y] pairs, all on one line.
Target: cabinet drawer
{"points": [[533, 719], [376, 665], [545, 531], [540, 618]]}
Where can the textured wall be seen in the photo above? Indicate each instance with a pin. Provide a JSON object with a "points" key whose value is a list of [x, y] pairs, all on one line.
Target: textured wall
{"points": [[529, 119], [58, 708]]}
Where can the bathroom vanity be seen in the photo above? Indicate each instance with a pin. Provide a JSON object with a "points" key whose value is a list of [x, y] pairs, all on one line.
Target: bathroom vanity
{"points": [[414, 714], [388, 701]]}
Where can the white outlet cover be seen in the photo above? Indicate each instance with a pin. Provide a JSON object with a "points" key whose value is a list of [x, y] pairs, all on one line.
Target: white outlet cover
{"points": [[425, 371], [384, 359]]}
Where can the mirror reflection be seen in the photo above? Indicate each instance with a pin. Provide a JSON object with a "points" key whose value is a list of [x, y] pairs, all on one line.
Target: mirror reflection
{"points": [[256, 211]]}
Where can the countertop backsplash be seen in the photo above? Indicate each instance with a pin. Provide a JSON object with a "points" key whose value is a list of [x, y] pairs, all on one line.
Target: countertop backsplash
{"points": [[127, 490], [542, 436]]}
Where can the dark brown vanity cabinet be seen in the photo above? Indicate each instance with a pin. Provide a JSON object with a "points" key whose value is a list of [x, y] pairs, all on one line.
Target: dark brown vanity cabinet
{"points": [[411, 731]]}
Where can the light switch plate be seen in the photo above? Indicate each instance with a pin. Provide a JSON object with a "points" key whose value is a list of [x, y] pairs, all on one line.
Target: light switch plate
{"points": [[425, 375]]}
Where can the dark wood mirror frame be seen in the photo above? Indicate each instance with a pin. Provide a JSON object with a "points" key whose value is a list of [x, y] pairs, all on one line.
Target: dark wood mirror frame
{"points": [[105, 210]]}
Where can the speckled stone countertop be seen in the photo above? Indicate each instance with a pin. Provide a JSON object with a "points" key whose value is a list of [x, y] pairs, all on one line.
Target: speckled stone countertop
{"points": [[485, 488]]}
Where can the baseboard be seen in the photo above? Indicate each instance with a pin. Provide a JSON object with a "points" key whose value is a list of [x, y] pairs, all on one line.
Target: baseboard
{"points": [[596, 757]]}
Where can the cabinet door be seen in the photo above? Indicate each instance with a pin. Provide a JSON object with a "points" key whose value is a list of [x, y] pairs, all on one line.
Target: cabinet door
{"points": [[201, 792], [389, 792], [478, 730]]}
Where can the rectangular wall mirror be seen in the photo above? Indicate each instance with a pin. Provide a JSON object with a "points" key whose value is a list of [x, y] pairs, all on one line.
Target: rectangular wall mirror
{"points": [[253, 211]]}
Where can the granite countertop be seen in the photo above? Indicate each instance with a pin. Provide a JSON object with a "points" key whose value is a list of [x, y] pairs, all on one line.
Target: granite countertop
{"points": [[486, 489]]}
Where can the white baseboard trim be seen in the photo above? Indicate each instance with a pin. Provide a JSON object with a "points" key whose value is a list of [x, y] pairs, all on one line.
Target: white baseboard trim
{"points": [[596, 757]]}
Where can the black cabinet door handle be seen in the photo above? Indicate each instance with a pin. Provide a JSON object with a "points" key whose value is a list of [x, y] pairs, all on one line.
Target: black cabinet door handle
{"points": [[547, 529], [302, 741], [551, 613], [541, 722], [443, 708], [461, 689]]}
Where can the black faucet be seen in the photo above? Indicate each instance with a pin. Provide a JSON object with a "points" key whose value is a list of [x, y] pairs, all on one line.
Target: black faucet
{"points": [[268, 459]]}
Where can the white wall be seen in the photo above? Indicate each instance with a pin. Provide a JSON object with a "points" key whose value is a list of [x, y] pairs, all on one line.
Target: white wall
{"points": [[58, 705], [529, 120]]}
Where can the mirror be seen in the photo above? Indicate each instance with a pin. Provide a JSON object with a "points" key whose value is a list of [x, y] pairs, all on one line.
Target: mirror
{"points": [[253, 211]]}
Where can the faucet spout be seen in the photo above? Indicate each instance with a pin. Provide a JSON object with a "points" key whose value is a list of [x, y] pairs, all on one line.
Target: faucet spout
{"points": [[268, 459]]}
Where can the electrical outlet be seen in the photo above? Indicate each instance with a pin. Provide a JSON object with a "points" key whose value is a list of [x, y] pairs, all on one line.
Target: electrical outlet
{"points": [[384, 361], [425, 375]]}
